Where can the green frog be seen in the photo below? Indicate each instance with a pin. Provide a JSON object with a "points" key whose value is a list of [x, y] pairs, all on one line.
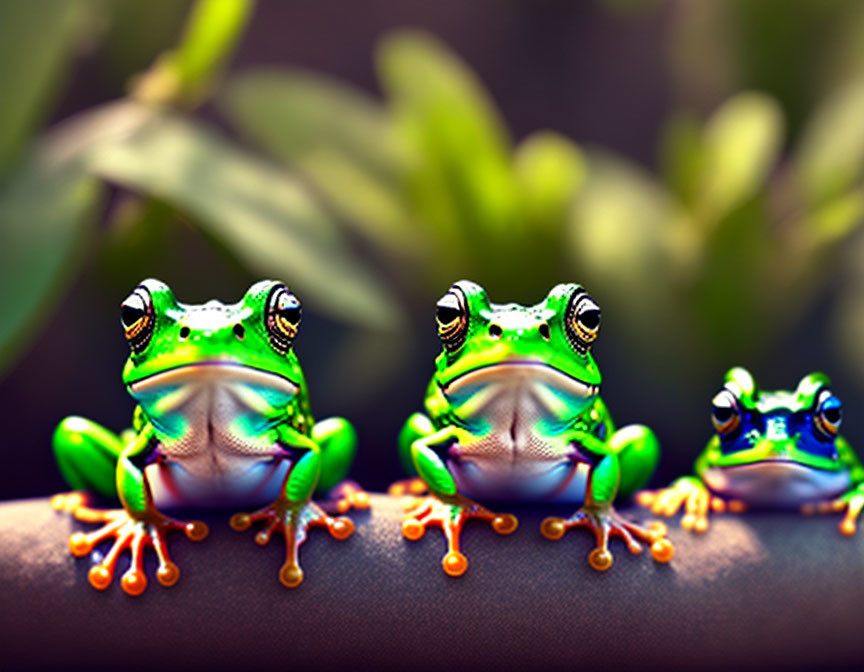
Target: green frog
{"points": [[770, 449], [222, 419], [513, 412]]}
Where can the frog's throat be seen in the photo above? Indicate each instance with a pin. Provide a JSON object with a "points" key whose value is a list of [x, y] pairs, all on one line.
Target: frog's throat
{"points": [[215, 370], [522, 368]]}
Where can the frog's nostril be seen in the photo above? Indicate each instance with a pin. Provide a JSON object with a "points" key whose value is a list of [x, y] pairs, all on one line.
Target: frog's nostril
{"points": [[184, 333], [239, 331], [544, 331], [495, 331]]}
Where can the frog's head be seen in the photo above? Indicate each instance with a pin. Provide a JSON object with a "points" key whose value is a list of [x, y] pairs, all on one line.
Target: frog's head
{"points": [[556, 335], [252, 338], [754, 426]]}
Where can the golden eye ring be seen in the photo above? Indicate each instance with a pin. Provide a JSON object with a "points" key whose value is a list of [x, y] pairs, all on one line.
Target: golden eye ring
{"points": [[451, 315], [582, 321], [137, 318], [725, 414], [283, 317]]}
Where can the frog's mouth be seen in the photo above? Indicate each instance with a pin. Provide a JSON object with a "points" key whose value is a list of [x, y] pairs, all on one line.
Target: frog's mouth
{"points": [[201, 372], [776, 482], [524, 369]]}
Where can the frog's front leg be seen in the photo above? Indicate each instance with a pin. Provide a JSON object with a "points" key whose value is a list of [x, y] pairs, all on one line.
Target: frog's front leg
{"points": [[293, 513], [78, 443], [444, 506], [87, 455], [416, 427], [631, 448], [850, 504], [691, 495], [338, 442]]}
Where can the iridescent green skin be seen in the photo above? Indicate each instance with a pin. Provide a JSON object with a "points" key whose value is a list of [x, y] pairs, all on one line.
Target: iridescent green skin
{"points": [[513, 412], [222, 416], [194, 355], [770, 449]]}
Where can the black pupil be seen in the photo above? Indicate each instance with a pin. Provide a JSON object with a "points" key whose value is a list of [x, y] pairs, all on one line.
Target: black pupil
{"points": [[590, 319], [832, 415], [446, 314], [722, 413], [129, 315], [291, 313]]}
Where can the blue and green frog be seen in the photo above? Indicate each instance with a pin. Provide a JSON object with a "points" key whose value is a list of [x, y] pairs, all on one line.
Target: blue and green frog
{"points": [[770, 449], [222, 419], [513, 412]]}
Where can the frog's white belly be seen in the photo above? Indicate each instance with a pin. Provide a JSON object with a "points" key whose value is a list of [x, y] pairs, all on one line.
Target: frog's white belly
{"points": [[776, 483], [517, 412], [213, 421]]}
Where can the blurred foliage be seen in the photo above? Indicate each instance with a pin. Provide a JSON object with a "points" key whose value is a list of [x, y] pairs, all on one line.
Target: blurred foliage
{"points": [[429, 179], [371, 206]]}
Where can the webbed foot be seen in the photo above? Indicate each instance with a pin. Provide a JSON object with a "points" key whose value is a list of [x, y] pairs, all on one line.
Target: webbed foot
{"points": [[134, 533], [346, 496], [852, 503], [408, 486], [69, 502], [293, 519], [450, 514], [690, 494], [606, 523]]}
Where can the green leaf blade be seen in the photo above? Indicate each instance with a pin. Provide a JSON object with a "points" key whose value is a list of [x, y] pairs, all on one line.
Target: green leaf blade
{"points": [[265, 217]]}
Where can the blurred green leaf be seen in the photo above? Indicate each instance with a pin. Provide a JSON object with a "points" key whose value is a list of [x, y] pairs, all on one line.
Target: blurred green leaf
{"points": [[831, 156], [187, 74], [620, 235], [264, 216], [460, 178], [848, 318], [732, 298], [741, 142], [139, 32], [550, 169], [297, 114], [36, 41], [372, 208], [682, 155], [836, 219], [338, 137], [47, 208]]}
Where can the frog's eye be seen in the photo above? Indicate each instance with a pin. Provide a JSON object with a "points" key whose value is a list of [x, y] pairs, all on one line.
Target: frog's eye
{"points": [[452, 317], [283, 318], [724, 412], [582, 322], [829, 414], [136, 316]]}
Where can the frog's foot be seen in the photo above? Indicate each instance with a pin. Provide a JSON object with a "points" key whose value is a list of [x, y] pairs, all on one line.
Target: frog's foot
{"points": [[689, 494], [606, 523], [293, 519], [132, 533], [852, 503], [450, 514], [346, 496], [68, 502], [408, 486]]}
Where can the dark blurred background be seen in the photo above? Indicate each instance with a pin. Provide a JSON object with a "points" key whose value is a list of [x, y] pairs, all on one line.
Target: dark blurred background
{"points": [[697, 166]]}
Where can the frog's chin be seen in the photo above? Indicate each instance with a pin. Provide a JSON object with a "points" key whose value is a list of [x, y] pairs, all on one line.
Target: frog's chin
{"points": [[776, 483], [515, 369], [214, 371], [559, 480]]}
